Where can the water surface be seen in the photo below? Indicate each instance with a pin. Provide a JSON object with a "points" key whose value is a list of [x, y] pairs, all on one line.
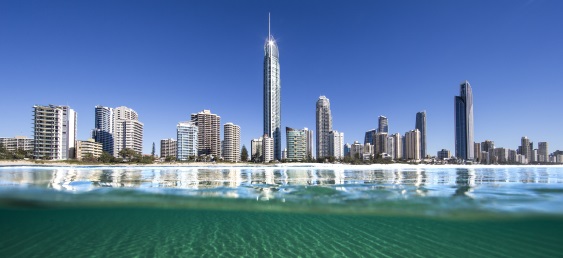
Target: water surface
{"points": [[281, 212]]}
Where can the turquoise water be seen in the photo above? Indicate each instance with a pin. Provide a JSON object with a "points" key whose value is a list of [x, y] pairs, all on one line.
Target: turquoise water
{"points": [[281, 212]]}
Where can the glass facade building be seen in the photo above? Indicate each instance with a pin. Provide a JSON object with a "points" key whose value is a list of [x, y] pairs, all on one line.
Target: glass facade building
{"points": [[464, 123]]}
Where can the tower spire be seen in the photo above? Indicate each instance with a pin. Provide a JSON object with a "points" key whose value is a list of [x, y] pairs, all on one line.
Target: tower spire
{"points": [[269, 35]]}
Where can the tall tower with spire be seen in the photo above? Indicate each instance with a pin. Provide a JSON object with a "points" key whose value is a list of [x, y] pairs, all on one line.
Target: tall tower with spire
{"points": [[272, 91]]}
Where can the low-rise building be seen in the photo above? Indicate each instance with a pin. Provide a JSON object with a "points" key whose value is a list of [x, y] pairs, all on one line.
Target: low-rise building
{"points": [[89, 149]]}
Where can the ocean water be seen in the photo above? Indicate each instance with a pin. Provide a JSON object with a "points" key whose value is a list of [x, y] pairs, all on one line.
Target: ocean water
{"points": [[281, 212]]}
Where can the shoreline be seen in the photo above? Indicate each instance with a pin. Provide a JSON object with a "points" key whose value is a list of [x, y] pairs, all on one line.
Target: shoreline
{"points": [[27, 163]]}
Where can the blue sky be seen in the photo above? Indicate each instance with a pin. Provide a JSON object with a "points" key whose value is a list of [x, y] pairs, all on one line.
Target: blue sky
{"points": [[168, 59]]}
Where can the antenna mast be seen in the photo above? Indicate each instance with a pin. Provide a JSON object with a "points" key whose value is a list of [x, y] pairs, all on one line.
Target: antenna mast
{"points": [[269, 35]]}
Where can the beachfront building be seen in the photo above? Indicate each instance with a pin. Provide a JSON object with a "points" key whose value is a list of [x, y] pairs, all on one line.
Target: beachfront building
{"points": [[187, 135], [231, 142], [267, 148], [324, 126], [272, 93], [256, 149], [369, 136], [543, 152], [464, 123], [296, 144], [128, 131], [209, 133], [104, 127], [54, 132], [397, 146], [412, 145], [16, 143], [168, 148], [335, 142], [357, 149], [421, 126], [89, 149], [380, 145]]}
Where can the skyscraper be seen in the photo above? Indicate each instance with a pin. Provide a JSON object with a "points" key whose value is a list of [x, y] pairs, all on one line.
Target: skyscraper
{"points": [[543, 152], [128, 131], [103, 128], [272, 93], [464, 122], [54, 132], [187, 140], [324, 126], [209, 133], [526, 148], [231, 142], [421, 126], [369, 136], [383, 125]]}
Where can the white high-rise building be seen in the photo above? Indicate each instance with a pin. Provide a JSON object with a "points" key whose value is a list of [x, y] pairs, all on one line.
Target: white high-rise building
{"points": [[391, 146], [128, 131], [267, 148], [336, 144], [397, 146], [412, 145], [324, 126], [54, 132], [187, 140], [231, 142]]}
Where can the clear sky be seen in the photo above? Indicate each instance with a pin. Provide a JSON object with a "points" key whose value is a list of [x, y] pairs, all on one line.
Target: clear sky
{"points": [[168, 59]]}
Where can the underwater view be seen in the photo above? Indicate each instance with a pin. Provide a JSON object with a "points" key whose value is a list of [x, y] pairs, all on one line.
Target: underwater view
{"points": [[281, 211]]}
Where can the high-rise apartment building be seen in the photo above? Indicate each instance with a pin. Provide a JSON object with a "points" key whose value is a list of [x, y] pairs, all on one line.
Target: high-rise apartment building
{"points": [[380, 145], [231, 142], [421, 126], [103, 127], [187, 140], [267, 148], [464, 123], [383, 125], [272, 93], [397, 146], [336, 144], [309, 134], [168, 148], [128, 130], [543, 152], [477, 152], [296, 144], [256, 149], [54, 132], [526, 148], [209, 133], [391, 146], [412, 145], [324, 126]]}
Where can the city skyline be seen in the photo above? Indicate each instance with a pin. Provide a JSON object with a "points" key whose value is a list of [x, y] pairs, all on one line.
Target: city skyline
{"points": [[44, 68]]}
